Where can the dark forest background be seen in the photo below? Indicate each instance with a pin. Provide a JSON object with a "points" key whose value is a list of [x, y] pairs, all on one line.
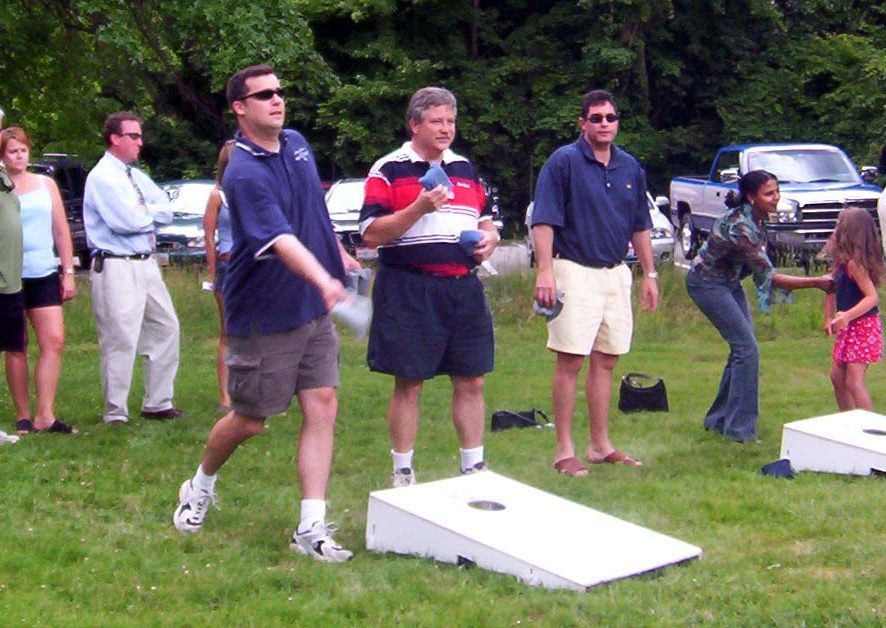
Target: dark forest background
{"points": [[689, 75]]}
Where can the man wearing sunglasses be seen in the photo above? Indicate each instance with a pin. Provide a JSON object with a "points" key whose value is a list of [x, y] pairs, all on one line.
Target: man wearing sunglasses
{"points": [[133, 310], [284, 276], [590, 203]]}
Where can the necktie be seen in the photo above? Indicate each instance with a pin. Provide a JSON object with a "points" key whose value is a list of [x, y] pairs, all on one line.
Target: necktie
{"points": [[141, 201], [141, 197]]}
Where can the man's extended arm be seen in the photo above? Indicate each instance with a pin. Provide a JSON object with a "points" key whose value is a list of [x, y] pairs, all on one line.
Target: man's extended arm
{"points": [[302, 263]]}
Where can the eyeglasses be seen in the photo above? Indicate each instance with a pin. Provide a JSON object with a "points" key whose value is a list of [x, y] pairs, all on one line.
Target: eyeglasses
{"points": [[264, 94], [133, 136], [597, 118]]}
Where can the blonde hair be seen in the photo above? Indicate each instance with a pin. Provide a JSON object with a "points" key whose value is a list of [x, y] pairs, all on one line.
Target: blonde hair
{"points": [[224, 155]]}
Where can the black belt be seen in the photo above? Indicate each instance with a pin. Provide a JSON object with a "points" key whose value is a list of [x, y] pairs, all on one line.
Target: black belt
{"points": [[613, 265], [106, 255]]}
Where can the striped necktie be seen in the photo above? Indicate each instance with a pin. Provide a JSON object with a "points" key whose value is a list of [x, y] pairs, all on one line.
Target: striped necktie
{"points": [[141, 197], [141, 201]]}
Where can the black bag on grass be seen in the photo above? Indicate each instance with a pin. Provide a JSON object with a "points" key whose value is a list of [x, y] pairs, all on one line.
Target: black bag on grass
{"points": [[506, 419], [641, 392]]}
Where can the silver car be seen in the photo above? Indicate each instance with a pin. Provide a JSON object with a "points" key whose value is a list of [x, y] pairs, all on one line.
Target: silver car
{"points": [[662, 234], [183, 239]]}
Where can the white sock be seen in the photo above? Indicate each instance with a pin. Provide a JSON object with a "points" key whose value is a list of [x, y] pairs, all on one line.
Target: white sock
{"points": [[203, 482], [470, 457], [312, 511], [402, 461]]}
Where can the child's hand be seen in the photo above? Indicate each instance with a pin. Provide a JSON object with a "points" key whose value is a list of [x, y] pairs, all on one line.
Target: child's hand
{"points": [[828, 330], [839, 321]]}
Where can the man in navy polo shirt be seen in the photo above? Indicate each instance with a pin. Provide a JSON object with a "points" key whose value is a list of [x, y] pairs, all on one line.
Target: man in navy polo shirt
{"points": [[285, 275], [590, 203]]}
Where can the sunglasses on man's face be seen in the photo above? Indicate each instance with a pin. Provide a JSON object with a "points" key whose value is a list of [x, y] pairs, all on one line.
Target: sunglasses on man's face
{"points": [[265, 94], [597, 118], [133, 136]]}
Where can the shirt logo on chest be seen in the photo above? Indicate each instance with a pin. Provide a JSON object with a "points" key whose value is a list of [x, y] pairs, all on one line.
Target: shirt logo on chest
{"points": [[300, 154]]}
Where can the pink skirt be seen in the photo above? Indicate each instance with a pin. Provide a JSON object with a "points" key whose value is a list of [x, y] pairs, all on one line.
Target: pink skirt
{"points": [[860, 342]]}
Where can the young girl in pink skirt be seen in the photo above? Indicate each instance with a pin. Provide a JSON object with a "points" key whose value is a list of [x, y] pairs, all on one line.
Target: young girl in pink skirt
{"points": [[851, 313]]}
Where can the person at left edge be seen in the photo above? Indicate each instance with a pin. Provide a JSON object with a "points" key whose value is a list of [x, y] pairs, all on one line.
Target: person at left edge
{"points": [[45, 232], [12, 300], [133, 310]]}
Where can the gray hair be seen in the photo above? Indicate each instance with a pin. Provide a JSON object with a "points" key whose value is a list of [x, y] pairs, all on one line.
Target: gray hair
{"points": [[428, 97]]}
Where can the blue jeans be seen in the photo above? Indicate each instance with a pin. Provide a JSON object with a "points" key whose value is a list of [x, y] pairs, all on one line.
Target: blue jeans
{"points": [[735, 409]]}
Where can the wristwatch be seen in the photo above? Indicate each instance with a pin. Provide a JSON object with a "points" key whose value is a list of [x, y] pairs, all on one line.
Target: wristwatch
{"points": [[652, 275], [69, 271]]}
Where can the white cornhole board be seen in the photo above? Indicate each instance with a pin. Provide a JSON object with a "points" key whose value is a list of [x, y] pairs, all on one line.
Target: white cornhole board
{"points": [[542, 539], [852, 442]]}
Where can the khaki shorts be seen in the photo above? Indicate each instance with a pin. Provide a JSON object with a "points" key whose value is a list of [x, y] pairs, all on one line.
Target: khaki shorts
{"points": [[266, 371], [596, 313]]}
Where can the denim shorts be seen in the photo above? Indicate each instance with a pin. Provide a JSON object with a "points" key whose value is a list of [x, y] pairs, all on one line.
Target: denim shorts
{"points": [[221, 271]]}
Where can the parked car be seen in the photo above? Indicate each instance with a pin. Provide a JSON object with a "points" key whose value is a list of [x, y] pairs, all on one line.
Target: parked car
{"points": [[494, 202], [183, 240], [343, 201], [816, 181], [662, 233], [70, 176]]}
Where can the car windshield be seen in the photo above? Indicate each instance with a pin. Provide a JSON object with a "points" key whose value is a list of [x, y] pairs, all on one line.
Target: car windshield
{"points": [[344, 197], [813, 165], [189, 198]]}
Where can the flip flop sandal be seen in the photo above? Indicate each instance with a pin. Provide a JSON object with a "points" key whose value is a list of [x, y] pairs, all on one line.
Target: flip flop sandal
{"points": [[59, 427], [617, 457], [571, 467], [24, 426]]}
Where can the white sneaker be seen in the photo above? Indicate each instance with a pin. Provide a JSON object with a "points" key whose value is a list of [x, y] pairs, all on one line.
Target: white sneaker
{"points": [[318, 542], [11, 439], [403, 477], [480, 467], [192, 507]]}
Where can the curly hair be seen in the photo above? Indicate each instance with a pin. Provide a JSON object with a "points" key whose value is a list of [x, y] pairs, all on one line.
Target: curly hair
{"points": [[855, 238]]}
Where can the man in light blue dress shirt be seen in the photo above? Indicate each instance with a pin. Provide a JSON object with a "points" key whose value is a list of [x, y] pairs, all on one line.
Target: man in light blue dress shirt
{"points": [[133, 310]]}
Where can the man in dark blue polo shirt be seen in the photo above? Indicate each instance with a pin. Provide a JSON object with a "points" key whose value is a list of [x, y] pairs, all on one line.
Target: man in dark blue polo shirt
{"points": [[285, 275], [590, 203]]}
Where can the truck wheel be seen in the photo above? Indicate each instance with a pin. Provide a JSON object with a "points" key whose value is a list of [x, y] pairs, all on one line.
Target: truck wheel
{"points": [[683, 241]]}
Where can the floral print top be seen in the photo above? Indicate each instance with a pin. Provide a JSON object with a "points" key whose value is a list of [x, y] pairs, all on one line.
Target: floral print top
{"points": [[736, 248]]}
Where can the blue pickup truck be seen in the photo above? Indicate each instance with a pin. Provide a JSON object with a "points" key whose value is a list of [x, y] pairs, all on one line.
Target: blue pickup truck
{"points": [[816, 180]]}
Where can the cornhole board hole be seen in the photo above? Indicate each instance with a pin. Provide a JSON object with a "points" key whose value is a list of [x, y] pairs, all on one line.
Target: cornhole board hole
{"points": [[502, 525], [852, 442]]}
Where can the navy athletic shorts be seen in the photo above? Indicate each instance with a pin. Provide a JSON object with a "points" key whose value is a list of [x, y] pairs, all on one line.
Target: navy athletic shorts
{"points": [[424, 325]]}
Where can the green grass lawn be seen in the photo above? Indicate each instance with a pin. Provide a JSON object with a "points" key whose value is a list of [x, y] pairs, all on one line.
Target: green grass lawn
{"points": [[86, 537]]}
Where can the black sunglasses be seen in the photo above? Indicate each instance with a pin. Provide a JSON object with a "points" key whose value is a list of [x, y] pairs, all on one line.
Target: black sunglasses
{"points": [[264, 94], [597, 118], [133, 136]]}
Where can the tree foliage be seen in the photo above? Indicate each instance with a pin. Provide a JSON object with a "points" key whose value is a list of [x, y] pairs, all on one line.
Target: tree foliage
{"points": [[689, 75]]}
